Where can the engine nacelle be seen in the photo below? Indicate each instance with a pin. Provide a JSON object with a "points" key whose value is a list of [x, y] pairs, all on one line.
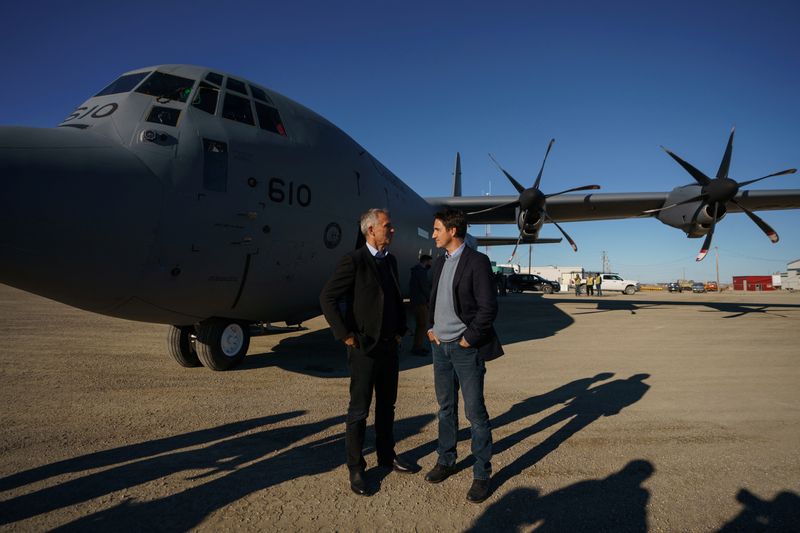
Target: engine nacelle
{"points": [[530, 225], [693, 218]]}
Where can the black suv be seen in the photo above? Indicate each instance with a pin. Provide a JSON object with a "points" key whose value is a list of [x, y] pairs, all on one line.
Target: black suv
{"points": [[531, 282], [674, 287]]}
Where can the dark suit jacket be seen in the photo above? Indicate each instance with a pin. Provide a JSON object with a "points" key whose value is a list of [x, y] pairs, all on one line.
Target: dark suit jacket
{"points": [[475, 297], [352, 299]]}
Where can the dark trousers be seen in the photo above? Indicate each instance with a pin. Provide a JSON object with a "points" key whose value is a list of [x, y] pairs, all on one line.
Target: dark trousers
{"points": [[378, 369], [421, 333], [455, 367]]}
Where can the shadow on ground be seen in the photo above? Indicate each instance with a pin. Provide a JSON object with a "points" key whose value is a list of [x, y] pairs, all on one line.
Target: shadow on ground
{"points": [[735, 309], [522, 317], [781, 514], [223, 472], [616, 503], [583, 404]]}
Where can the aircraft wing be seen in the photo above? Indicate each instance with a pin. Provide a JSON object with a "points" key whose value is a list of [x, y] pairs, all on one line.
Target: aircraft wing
{"points": [[604, 206], [490, 240]]}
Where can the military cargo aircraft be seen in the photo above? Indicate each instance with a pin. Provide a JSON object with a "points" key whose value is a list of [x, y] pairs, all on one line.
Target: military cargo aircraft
{"points": [[186, 196]]}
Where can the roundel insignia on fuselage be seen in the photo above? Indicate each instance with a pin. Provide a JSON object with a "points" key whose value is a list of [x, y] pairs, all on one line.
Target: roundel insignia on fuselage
{"points": [[333, 235]]}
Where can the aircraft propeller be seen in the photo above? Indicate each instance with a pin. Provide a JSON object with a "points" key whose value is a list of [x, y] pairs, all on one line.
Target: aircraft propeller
{"points": [[533, 201], [719, 192]]}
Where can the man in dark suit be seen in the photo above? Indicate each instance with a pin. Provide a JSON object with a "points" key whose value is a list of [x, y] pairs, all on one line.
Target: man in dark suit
{"points": [[363, 305], [463, 309]]}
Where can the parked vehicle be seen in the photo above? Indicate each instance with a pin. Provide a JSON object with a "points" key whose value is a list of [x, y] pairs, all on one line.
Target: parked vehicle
{"points": [[614, 282], [711, 286], [674, 287], [532, 282], [698, 287]]}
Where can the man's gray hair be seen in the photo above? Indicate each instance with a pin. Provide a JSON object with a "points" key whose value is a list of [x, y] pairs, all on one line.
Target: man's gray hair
{"points": [[370, 218]]}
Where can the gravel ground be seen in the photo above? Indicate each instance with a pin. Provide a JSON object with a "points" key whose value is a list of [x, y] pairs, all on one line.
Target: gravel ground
{"points": [[653, 412]]}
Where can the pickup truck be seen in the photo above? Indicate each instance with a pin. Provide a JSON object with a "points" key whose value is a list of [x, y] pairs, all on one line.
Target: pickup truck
{"points": [[613, 282]]}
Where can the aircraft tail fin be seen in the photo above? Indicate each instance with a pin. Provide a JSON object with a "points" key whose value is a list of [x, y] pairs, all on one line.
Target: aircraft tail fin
{"points": [[457, 176]]}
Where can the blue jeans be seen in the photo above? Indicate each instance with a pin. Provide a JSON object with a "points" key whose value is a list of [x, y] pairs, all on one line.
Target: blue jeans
{"points": [[454, 367]]}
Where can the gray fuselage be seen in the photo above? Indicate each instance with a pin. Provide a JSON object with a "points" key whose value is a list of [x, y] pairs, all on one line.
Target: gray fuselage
{"points": [[150, 207]]}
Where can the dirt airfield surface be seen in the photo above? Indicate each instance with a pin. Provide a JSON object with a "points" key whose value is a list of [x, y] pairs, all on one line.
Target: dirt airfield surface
{"points": [[653, 412]]}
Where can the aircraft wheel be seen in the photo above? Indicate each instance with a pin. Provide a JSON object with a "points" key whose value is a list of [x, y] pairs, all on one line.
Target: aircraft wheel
{"points": [[630, 289], [222, 344], [179, 346]]}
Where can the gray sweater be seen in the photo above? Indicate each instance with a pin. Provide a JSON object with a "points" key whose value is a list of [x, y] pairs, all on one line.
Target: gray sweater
{"points": [[446, 325]]}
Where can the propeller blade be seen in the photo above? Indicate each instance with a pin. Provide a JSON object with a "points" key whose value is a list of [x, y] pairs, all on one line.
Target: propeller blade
{"points": [[707, 243], [514, 182], [515, 203], [569, 239], [584, 188], [699, 177], [725, 165], [781, 173], [539, 177], [766, 228], [690, 200], [514, 252]]}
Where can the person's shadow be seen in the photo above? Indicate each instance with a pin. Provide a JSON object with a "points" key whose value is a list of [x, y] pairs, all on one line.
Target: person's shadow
{"points": [[234, 468], [607, 399], [782, 514], [617, 503], [523, 409]]}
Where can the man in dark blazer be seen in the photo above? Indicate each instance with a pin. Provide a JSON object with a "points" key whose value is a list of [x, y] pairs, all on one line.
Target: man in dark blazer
{"points": [[463, 308], [363, 305]]}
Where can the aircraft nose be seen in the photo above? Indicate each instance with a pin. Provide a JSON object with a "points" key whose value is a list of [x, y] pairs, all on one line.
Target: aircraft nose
{"points": [[78, 216]]}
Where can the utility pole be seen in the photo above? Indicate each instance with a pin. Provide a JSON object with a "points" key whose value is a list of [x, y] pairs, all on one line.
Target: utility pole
{"points": [[716, 252]]}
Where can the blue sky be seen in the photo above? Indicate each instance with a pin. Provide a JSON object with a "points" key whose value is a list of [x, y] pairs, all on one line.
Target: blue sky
{"points": [[414, 82]]}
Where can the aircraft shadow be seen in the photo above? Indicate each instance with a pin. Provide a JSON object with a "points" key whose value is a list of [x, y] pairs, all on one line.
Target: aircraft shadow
{"points": [[781, 514], [735, 309], [527, 316], [234, 467], [616, 503], [535, 404], [318, 354]]}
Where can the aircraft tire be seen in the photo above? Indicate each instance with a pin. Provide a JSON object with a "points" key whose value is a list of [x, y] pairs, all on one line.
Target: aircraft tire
{"points": [[221, 344], [630, 289], [179, 346]]}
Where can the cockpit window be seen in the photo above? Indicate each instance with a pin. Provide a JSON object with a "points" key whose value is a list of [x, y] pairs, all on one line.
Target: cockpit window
{"points": [[260, 95], [167, 87], [238, 109], [214, 78], [236, 85], [205, 99], [269, 119], [123, 84]]}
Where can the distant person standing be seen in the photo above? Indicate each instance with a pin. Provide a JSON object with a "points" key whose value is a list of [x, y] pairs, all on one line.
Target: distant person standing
{"points": [[463, 309], [590, 285], [577, 281], [419, 290], [598, 283]]}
